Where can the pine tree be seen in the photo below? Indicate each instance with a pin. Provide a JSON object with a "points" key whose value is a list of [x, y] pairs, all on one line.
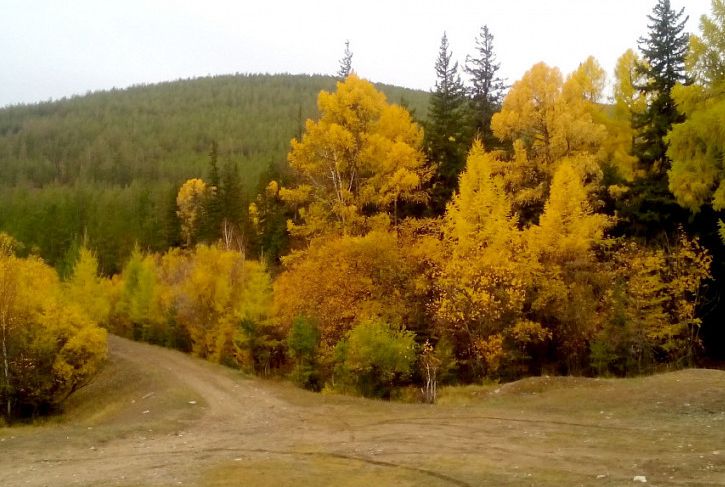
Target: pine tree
{"points": [[663, 50], [232, 205], [648, 209], [487, 88], [447, 136], [171, 224], [213, 205], [345, 63]]}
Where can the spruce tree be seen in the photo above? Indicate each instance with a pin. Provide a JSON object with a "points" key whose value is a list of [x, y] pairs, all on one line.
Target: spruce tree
{"points": [[345, 63], [663, 52], [487, 88], [171, 225], [649, 210], [447, 135], [230, 195], [213, 206]]}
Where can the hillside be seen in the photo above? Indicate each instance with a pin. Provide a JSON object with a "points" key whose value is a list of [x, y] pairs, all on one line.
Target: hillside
{"points": [[108, 164], [158, 417]]}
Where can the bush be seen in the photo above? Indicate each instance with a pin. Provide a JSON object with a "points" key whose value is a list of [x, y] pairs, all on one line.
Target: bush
{"points": [[374, 358], [302, 342], [51, 348]]}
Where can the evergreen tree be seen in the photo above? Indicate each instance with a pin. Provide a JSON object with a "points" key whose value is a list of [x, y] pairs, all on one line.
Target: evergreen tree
{"points": [[232, 202], [663, 51], [268, 216], [171, 225], [345, 63], [447, 136], [648, 209], [213, 204], [487, 88]]}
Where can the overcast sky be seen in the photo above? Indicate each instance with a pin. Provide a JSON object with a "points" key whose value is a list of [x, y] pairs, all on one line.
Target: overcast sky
{"points": [[53, 48]]}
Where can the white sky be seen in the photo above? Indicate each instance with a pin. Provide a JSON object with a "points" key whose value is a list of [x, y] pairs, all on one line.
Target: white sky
{"points": [[55, 48]]}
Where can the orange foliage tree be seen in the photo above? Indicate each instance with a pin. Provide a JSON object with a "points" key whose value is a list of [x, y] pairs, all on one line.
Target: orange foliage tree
{"points": [[340, 281]]}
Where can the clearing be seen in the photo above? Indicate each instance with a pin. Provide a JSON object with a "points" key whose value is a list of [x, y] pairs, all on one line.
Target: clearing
{"points": [[156, 417]]}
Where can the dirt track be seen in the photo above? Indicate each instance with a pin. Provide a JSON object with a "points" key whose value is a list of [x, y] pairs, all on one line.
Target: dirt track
{"points": [[158, 417]]}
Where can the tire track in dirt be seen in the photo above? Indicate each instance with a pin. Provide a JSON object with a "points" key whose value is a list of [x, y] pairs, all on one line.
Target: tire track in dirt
{"points": [[238, 416], [248, 420]]}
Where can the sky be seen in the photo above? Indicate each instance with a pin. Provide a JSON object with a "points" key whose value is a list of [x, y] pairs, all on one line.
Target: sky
{"points": [[52, 49]]}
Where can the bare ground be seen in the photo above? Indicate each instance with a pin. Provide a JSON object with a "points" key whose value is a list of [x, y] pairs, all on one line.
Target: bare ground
{"points": [[156, 417]]}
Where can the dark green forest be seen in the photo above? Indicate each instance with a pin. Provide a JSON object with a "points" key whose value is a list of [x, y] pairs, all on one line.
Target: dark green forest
{"points": [[105, 168]]}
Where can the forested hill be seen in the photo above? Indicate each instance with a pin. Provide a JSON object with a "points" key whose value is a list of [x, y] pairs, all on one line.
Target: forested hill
{"points": [[107, 164], [163, 131]]}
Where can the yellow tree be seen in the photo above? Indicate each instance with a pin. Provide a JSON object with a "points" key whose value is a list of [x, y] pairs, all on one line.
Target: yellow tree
{"points": [[652, 305], [697, 145], [220, 301], [256, 339], [86, 289], [341, 281], [481, 285], [569, 228], [197, 289], [49, 348], [208, 300], [628, 103], [190, 202], [552, 117], [586, 83], [569, 283], [362, 152], [547, 119]]}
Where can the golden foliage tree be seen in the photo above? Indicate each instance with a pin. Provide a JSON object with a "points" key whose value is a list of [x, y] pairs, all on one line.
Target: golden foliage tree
{"points": [[190, 203], [137, 312], [550, 116], [220, 300], [569, 285], [629, 103], [87, 289], [697, 145], [49, 348], [362, 153], [651, 317], [503, 292], [546, 119], [209, 301], [569, 227], [341, 281], [481, 285]]}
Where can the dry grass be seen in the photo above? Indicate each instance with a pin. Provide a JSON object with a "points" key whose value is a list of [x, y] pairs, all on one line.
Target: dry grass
{"points": [[157, 417]]}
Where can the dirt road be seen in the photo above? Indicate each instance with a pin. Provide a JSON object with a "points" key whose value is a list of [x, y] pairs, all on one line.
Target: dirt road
{"points": [[158, 417]]}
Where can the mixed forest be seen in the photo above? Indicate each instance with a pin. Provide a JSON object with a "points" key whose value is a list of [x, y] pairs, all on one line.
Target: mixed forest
{"points": [[565, 223]]}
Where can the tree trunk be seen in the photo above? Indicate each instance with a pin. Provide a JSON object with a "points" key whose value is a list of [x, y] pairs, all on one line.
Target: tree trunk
{"points": [[6, 370]]}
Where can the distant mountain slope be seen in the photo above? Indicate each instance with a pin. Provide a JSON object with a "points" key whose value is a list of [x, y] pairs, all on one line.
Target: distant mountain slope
{"points": [[163, 131], [106, 166]]}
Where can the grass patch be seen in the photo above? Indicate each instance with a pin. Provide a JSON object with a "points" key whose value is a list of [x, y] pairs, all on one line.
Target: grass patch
{"points": [[308, 470]]}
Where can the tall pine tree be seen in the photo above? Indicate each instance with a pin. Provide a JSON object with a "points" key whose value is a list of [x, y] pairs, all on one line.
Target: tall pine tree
{"points": [[231, 194], [447, 135], [487, 87], [649, 210], [212, 206], [663, 52]]}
